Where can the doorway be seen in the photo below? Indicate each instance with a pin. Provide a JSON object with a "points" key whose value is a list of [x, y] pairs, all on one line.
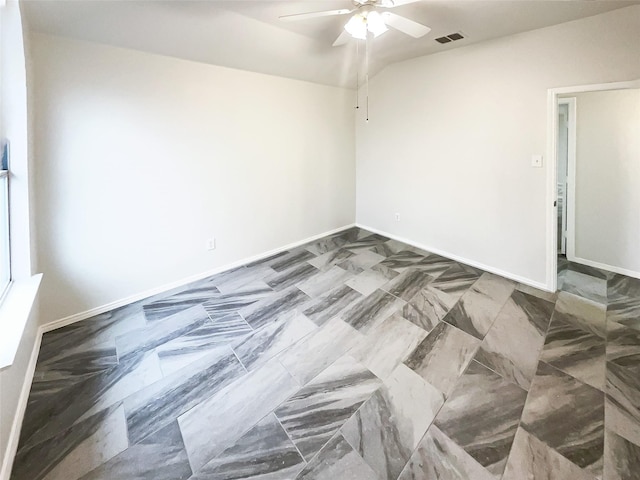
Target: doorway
{"points": [[562, 174], [592, 216]]}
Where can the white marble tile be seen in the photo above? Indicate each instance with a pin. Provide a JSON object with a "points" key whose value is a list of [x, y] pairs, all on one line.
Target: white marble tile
{"points": [[215, 424], [322, 282], [387, 345], [438, 457], [442, 356], [337, 460], [264, 343], [370, 280], [317, 351], [388, 427], [75, 451], [147, 372], [531, 458]]}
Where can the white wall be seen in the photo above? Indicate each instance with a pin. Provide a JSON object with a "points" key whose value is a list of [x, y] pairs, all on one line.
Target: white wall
{"points": [[13, 125], [450, 139], [141, 158], [607, 212]]}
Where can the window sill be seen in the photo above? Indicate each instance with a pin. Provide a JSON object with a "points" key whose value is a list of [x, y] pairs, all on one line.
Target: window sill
{"points": [[14, 314]]}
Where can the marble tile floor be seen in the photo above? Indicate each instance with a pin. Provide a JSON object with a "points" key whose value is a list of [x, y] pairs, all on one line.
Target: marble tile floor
{"points": [[353, 357]]}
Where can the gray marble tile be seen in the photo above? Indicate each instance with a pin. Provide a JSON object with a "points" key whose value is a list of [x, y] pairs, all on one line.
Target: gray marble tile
{"points": [[162, 402], [623, 401], [428, 307], [480, 305], [264, 343], [434, 264], [575, 351], [387, 345], [585, 286], [173, 304], [391, 247], [370, 280], [621, 458], [620, 287], [331, 304], [92, 332], [591, 271], [196, 343], [76, 450], [531, 458], [513, 343], [337, 460], [567, 415], [588, 315], [251, 293], [268, 260], [481, 416], [264, 452], [457, 279], [160, 456], [325, 281], [318, 350], [442, 356], [329, 259], [218, 422], [314, 414], [408, 283], [51, 414], [161, 331], [361, 261], [624, 301], [327, 245], [270, 308], [401, 260], [365, 242], [291, 259], [536, 292], [438, 457], [388, 427], [623, 346], [77, 363], [242, 279], [292, 276], [371, 311]]}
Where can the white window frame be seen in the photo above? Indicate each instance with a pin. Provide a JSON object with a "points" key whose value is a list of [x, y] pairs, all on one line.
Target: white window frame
{"points": [[5, 230]]}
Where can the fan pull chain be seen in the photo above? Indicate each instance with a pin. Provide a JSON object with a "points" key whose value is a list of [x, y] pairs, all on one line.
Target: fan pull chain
{"points": [[357, 75], [367, 73]]}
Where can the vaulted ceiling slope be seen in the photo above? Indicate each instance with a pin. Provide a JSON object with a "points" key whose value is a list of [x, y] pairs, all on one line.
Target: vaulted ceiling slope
{"points": [[247, 34]]}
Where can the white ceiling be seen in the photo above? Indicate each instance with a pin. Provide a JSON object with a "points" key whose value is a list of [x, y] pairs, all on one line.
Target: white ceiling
{"points": [[248, 35]]}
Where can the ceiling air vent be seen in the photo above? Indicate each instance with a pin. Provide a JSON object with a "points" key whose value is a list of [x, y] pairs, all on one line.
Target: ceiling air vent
{"points": [[450, 38]]}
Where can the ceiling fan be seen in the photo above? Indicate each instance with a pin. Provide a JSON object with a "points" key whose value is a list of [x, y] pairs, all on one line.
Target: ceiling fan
{"points": [[368, 18]]}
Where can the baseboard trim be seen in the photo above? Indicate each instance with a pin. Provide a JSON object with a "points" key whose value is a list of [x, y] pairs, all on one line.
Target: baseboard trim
{"points": [[14, 434], [458, 258], [604, 266], [76, 317]]}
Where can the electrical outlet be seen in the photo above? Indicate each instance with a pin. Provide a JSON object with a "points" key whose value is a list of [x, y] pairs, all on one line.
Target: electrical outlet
{"points": [[397, 217], [211, 244], [536, 161]]}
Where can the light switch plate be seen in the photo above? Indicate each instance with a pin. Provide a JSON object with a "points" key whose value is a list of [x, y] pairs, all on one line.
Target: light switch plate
{"points": [[536, 161]]}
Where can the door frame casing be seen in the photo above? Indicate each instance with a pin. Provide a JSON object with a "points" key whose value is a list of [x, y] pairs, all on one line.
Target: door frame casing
{"points": [[553, 95], [570, 195]]}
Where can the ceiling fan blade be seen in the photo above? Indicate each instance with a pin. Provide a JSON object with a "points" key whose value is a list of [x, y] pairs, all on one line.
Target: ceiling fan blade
{"points": [[342, 38], [414, 29], [304, 16], [396, 3]]}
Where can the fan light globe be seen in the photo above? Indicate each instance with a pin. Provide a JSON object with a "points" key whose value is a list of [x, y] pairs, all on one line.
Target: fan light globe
{"points": [[358, 25], [375, 24]]}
